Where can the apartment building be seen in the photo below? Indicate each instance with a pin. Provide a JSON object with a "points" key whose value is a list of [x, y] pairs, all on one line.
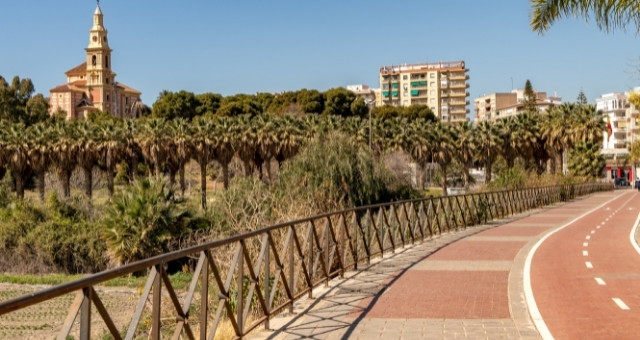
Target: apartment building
{"points": [[442, 86], [502, 105], [622, 119]]}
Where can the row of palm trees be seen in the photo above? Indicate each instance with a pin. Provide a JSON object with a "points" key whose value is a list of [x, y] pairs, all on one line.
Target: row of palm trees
{"points": [[167, 146]]}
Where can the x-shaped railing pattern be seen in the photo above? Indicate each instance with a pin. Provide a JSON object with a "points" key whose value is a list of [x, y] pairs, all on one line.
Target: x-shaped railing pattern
{"points": [[246, 279]]}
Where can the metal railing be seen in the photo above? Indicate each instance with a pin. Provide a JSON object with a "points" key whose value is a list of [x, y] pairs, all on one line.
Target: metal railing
{"points": [[274, 266]]}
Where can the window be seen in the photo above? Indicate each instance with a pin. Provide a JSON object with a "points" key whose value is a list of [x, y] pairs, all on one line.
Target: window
{"points": [[107, 97], [432, 75], [432, 92], [106, 61], [404, 77], [107, 80], [126, 100], [433, 83], [433, 100], [93, 60], [385, 86]]}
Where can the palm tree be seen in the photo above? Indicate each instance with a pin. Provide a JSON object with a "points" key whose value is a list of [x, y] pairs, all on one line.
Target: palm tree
{"points": [[443, 149], [39, 153], [224, 141], [588, 124], [16, 155], [132, 150], [153, 140], [290, 137], [558, 133], [608, 14], [180, 154], [508, 148], [87, 153], [63, 153], [465, 148], [111, 150], [202, 144], [141, 221], [420, 146], [266, 143], [247, 142], [488, 146]]}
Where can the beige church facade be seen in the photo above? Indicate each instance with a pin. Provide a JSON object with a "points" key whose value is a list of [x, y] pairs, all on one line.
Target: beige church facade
{"points": [[91, 86]]}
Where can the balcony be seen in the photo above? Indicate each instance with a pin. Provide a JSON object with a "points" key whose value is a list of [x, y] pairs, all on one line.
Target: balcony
{"points": [[444, 94], [457, 111], [458, 76], [459, 94], [419, 84], [458, 85], [621, 125], [620, 145]]}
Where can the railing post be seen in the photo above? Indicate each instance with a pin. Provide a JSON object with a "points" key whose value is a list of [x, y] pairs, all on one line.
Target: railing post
{"points": [[326, 250], [240, 290], [85, 315], [156, 302], [291, 268], [311, 257], [204, 296], [267, 280]]}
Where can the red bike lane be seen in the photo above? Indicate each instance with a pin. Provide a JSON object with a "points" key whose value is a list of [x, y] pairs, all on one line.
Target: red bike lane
{"points": [[585, 277]]}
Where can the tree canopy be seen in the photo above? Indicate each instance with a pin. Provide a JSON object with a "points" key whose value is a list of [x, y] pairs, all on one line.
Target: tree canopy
{"points": [[607, 14]]}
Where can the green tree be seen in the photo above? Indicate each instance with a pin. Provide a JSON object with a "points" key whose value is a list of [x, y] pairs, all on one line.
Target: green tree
{"points": [[338, 102], [582, 98], [170, 105], [239, 104], [529, 101], [17, 103], [311, 101], [208, 103], [608, 14]]}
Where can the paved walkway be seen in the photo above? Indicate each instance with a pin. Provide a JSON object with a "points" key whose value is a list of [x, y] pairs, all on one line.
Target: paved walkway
{"points": [[467, 284]]}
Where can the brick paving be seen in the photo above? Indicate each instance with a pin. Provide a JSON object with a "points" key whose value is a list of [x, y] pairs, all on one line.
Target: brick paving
{"points": [[466, 284]]}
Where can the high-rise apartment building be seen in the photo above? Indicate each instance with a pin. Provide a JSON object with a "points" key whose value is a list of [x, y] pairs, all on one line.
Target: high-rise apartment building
{"points": [[441, 86], [502, 105]]}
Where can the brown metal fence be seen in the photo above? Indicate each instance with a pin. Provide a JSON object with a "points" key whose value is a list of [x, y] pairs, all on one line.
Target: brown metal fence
{"points": [[274, 266]]}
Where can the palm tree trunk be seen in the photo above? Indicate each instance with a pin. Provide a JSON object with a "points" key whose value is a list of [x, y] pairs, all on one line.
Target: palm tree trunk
{"points": [[203, 183], [488, 168], [65, 178], [133, 168], [225, 175], [40, 184], [110, 176], [443, 168], [88, 181], [466, 178], [19, 185], [182, 180], [172, 178]]}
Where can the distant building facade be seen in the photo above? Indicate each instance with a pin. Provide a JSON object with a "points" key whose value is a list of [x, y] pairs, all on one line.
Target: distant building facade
{"points": [[365, 92], [91, 86], [622, 117], [442, 86], [502, 105]]}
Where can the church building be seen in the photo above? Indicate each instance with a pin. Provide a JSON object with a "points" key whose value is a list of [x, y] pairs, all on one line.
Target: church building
{"points": [[92, 86]]}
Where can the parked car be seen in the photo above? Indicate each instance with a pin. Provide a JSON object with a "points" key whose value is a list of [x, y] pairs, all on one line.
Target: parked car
{"points": [[622, 182]]}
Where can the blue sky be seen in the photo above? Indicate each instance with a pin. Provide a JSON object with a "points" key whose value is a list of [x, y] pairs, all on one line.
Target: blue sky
{"points": [[253, 46]]}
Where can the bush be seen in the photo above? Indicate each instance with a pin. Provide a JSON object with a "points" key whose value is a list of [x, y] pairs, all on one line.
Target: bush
{"points": [[144, 220], [56, 237]]}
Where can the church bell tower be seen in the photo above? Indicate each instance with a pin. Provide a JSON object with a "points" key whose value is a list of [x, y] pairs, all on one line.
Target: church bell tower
{"points": [[100, 78]]}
